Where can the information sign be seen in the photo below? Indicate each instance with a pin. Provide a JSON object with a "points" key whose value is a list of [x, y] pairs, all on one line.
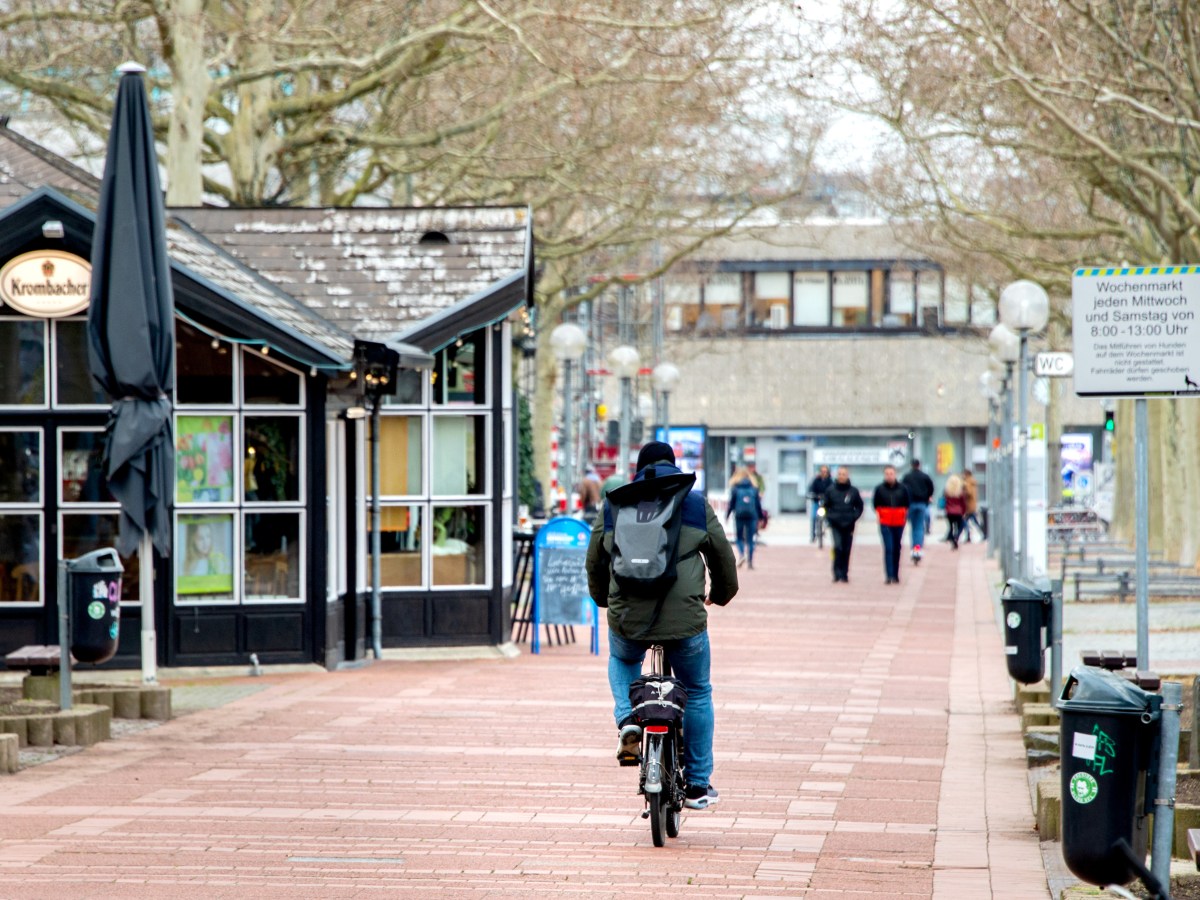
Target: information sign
{"points": [[560, 588], [1136, 331]]}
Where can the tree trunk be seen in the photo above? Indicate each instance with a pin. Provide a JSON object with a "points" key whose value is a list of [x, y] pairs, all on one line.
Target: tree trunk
{"points": [[1189, 467], [252, 143], [183, 26]]}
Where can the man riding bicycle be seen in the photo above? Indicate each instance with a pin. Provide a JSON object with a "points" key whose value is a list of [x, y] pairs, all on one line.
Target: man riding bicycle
{"points": [[677, 619]]}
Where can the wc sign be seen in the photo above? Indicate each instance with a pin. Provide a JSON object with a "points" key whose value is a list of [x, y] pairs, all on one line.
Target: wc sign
{"points": [[1053, 365]]}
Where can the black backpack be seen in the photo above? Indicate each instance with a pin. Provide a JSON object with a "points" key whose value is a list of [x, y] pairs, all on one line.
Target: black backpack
{"points": [[744, 506], [647, 516]]}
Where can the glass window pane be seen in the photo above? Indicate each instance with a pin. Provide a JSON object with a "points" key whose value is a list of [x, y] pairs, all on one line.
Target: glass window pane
{"points": [[73, 381], [723, 289], [273, 556], [22, 342], [204, 459], [20, 467], [770, 309], [408, 388], [83, 468], [850, 298], [460, 371], [20, 559], [810, 306], [204, 550], [399, 546], [459, 443], [265, 382], [203, 373], [400, 452], [458, 545], [84, 532], [271, 468]]}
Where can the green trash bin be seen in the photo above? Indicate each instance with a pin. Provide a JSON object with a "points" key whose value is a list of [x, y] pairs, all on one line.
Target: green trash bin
{"points": [[1108, 743], [1026, 613]]}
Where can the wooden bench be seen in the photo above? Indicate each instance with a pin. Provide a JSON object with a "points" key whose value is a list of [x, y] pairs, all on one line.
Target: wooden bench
{"points": [[1121, 662], [1194, 846], [38, 659]]}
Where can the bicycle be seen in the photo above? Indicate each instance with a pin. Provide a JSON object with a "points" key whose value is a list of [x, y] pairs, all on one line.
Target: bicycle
{"points": [[820, 531], [660, 778]]}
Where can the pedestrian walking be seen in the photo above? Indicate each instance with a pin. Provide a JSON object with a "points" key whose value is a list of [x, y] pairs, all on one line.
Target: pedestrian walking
{"points": [[745, 505], [970, 505], [920, 495], [843, 508], [589, 494], [821, 483], [891, 509], [955, 507]]}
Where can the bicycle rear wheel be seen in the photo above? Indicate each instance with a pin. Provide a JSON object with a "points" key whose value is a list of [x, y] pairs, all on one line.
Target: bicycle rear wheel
{"points": [[675, 804], [659, 799]]}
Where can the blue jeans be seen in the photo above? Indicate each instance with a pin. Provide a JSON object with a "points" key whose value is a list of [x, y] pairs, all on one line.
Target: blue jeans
{"points": [[690, 660], [916, 518], [891, 536], [747, 528]]}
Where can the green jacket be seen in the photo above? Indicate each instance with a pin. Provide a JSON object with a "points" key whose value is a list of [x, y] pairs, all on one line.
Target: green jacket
{"points": [[701, 540]]}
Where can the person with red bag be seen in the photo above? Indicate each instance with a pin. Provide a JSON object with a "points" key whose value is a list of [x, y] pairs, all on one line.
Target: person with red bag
{"points": [[956, 508]]}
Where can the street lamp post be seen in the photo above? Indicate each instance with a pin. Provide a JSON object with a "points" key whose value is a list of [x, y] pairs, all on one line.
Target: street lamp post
{"points": [[568, 343], [666, 377], [987, 387], [625, 362], [1006, 349], [1024, 307]]}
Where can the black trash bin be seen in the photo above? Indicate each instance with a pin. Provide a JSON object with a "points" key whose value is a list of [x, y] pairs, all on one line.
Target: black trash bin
{"points": [[1109, 731], [94, 599], [1026, 615]]}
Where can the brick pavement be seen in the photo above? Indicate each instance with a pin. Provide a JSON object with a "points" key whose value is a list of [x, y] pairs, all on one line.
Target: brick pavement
{"points": [[865, 748]]}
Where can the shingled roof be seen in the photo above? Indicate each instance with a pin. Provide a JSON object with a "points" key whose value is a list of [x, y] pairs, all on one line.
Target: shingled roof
{"points": [[26, 166], [377, 272]]}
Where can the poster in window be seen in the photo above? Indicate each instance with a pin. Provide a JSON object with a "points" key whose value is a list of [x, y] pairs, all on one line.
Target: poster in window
{"points": [[204, 459], [205, 543]]}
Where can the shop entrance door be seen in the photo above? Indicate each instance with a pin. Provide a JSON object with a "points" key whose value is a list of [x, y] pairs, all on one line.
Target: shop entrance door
{"points": [[793, 467]]}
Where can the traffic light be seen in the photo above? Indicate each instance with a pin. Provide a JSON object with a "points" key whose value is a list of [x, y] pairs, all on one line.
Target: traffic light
{"points": [[1110, 424]]}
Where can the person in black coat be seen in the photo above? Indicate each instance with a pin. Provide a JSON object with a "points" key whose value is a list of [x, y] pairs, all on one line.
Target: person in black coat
{"points": [[843, 507]]}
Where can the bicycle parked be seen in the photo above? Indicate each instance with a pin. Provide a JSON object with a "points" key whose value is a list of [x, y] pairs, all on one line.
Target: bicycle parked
{"points": [[659, 701]]}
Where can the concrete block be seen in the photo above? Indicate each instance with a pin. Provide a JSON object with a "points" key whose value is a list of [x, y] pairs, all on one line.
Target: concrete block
{"points": [[41, 687], [1032, 693], [64, 728], [40, 729], [103, 697], [1041, 745], [156, 703], [1187, 816], [10, 753], [1038, 714], [15, 725], [127, 703], [1049, 809]]}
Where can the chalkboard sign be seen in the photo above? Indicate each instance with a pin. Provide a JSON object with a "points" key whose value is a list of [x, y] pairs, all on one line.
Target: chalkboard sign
{"points": [[560, 589]]}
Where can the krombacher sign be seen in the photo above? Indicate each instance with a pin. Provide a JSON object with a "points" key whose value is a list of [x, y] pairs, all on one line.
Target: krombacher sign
{"points": [[48, 284]]}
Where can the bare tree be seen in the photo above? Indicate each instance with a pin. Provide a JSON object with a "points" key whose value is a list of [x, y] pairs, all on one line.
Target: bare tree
{"points": [[620, 122], [1044, 136]]}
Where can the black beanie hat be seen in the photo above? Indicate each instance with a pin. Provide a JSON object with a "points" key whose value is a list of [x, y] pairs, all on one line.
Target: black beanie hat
{"points": [[655, 451]]}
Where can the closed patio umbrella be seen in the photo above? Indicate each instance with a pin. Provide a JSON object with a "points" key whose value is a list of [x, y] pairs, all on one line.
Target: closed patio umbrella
{"points": [[131, 340]]}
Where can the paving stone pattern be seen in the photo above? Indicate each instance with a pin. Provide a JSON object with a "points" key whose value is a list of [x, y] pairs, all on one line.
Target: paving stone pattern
{"points": [[866, 747]]}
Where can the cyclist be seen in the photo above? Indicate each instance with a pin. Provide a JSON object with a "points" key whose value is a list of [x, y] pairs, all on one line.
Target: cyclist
{"points": [[678, 621]]}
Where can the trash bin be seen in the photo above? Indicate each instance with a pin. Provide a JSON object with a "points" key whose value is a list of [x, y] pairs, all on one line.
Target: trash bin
{"points": [[1026, 615], [94, 599], [1108, 740]]}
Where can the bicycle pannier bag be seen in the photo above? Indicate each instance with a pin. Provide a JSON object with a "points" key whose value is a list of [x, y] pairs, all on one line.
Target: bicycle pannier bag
{"points": [[647, 517], [658, 700]]}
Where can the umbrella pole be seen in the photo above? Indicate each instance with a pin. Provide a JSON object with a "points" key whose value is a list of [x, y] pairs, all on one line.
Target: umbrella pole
{"points": [[146, 592]]}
